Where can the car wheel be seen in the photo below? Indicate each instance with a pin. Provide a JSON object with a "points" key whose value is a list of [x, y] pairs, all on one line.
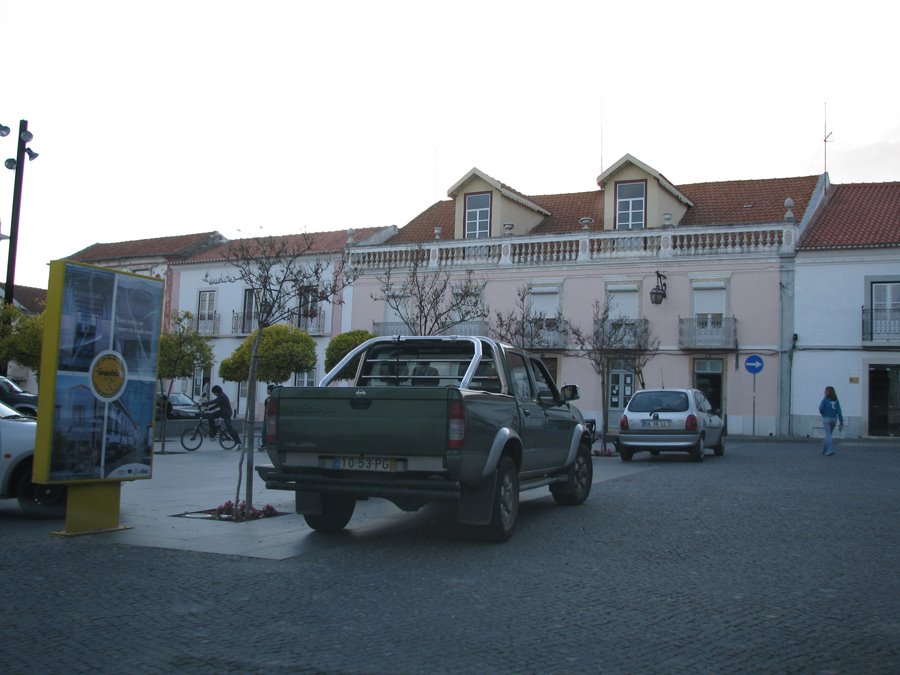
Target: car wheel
{"points": [[719, 448], [626, 455], [506, 502], [41, 501], [581, 476], [699, 450], [336, 513]]}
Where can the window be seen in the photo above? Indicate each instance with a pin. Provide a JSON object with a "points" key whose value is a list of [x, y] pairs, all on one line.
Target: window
{"points": [[478, 216], [630, 205], [520, 382], [623, 305], [306, 378], [248, 312], [709, 307], [309, 314], [545, 384], [886, 300], [207, 319]]}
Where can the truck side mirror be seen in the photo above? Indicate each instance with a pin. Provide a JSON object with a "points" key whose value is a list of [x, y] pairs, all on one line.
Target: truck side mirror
{"points": [[570, 392]]}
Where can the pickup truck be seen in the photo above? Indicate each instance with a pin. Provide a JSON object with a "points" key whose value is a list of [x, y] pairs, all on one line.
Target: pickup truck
{"points": [[425, 419]]}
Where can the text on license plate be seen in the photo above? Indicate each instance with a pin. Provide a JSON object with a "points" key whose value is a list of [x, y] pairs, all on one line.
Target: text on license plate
{"points": [[657, 424], [365, 463]]}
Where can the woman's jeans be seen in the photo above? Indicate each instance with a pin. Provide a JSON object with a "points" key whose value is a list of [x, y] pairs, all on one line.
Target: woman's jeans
{"points": [[828, 424]]}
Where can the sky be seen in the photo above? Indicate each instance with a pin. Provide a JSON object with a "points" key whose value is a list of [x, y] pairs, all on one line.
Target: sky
{"points": [[274, 117]]}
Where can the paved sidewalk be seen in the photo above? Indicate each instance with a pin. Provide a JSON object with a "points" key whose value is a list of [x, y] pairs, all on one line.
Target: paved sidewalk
{"points": [[165, 510]]}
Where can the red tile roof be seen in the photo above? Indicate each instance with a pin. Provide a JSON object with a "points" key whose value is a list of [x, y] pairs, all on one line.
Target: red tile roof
{"points": [[738, 202], [311, 243], [178, 246], [856, 215], [32, 299], [746, 202]]}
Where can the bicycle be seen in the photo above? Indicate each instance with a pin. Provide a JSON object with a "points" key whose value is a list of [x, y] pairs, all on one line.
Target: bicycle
{"points": [[193, 438]]}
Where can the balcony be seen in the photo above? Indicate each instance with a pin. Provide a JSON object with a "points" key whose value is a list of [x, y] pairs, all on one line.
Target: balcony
{"points": [[469, 328], [312, 321], [707, 333], [650, 245], [881, 326], [244, 323], [546, 333], [208, 324]]}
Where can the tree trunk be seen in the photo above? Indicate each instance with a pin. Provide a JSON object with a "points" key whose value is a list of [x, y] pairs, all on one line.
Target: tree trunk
{"points": [[250, 418]]}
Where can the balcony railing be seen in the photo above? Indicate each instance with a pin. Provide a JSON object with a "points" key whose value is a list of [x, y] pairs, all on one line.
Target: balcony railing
{"points": [[881, 325], [707, 333], [312, 322], [208, 324], [244, 323], [399, 328], [650, 244]]}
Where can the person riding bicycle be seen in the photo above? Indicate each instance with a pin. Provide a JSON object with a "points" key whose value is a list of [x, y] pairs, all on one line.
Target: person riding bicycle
{"points": [[219, 407]]}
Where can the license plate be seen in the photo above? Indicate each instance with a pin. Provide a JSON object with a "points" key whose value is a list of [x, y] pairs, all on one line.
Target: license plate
{"points": [[657, 424], [365, 463]]}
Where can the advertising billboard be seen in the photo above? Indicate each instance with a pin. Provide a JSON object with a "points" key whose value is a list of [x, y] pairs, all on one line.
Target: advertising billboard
{"points": [[98, 375]]}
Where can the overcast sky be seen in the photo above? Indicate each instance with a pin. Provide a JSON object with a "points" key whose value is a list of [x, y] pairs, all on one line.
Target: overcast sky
{"points": [[169, 117]]}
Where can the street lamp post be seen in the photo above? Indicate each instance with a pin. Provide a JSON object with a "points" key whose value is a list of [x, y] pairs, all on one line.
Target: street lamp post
{"points": [[18, 165]]}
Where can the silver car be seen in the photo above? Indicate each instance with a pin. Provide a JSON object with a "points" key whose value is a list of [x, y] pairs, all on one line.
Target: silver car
{"points": [[679, 420]]}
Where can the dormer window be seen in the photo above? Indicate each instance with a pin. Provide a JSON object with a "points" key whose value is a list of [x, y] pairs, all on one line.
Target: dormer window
{"points": [[631, 201], [478, 215]]}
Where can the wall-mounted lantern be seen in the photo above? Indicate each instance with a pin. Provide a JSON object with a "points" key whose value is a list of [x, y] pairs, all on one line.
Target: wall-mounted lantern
{"points": [[658, 292]]}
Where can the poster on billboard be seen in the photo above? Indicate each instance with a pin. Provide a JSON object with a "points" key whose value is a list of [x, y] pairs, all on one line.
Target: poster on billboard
{"points": [[98, 364]]}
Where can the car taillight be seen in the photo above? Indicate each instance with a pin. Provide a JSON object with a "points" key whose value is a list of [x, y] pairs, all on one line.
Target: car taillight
{"points": [[271, 419], [623, 423], [456, 427], [690, 423]]}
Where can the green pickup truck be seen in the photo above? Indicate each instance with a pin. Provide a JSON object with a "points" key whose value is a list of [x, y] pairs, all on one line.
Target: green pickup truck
{"points": [[460, 419]]}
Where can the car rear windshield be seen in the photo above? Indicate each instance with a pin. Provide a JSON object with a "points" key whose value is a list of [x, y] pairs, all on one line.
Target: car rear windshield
{"points": [[659, 401]]}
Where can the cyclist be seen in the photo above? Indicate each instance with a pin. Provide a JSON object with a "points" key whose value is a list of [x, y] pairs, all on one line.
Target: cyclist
{"points": [[219, 407]]}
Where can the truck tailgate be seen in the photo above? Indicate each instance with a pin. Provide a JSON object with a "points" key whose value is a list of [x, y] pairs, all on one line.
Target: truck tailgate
{"points": [[371, 421]]}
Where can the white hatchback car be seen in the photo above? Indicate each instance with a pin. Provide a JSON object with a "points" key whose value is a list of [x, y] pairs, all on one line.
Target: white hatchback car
{"points": [[17, 434], [667, 420]]}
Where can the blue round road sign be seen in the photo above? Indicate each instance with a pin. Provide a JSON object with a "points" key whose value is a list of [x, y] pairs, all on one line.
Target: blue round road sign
{"points": [[753, 363]]}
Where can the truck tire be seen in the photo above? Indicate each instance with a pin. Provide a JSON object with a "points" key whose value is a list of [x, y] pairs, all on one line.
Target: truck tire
{"points": [[40, 501], [506, 502], [581, 476], [336, 513]]}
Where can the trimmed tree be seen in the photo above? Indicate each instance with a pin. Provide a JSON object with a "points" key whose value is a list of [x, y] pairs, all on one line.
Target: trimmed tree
{"points": [[340, 346]]}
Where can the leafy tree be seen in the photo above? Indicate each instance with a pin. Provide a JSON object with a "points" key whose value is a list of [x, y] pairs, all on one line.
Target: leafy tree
{"points": [[613, 338], [27, 341], [284, 274], [431, 302], [340, 346], [525, 328], [282, 351], [181, 351]]}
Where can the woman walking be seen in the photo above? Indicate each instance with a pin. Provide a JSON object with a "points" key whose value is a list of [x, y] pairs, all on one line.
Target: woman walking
{"points": [[830, 410]]}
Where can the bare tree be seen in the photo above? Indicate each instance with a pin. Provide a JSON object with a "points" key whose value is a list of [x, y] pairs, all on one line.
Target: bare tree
{"points": [[529, 329], [288, 276], [614, 338], [431, 302]]}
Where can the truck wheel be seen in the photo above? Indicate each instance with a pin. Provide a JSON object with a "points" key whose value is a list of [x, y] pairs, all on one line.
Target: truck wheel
{"points": [[581, 475], [41, 501], [506, 502], [336, 513]]}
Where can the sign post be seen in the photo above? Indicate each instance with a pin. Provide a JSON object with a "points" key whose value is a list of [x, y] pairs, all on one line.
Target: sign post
{"points": [[754, 365]]}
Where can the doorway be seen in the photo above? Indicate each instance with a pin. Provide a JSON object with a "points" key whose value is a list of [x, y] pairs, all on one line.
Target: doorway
{"points": [[884, 400], [708, 378]]}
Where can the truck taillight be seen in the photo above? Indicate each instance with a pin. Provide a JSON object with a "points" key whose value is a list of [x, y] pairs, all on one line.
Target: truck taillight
{"points": [[271, 417], [623, 423], [456, 427], [690, 423]]}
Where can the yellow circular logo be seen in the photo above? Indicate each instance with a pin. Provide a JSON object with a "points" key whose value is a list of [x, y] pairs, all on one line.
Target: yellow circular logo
{"points": [[108, 375]]}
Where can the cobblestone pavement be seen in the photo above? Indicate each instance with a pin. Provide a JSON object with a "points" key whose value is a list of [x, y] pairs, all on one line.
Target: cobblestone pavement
{"points": [[770, 559]]}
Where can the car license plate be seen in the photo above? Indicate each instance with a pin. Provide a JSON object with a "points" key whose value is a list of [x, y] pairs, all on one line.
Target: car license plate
{"points": [[364, 463], [657, 424]]}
